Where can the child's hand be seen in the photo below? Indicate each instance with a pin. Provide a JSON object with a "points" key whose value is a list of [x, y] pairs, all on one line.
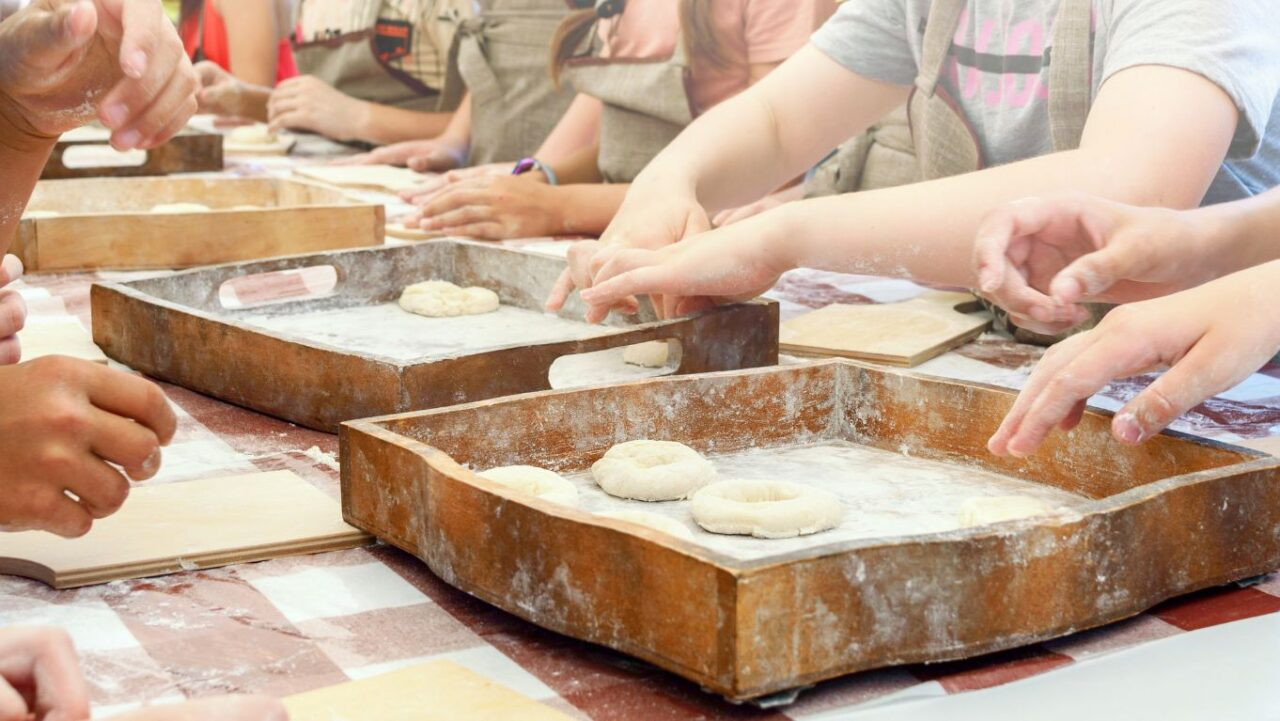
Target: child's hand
{"points": [[62, 421], [1039, 258], [13, 312], [1211, 338], [424, 156], [62, 60], [221, 93], [309, 103], [40, 676], [491, 207], [431, 186]]}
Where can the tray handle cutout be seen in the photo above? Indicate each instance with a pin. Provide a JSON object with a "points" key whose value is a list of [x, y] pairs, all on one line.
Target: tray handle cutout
{"points": [[650, 359], [280, 286], [95, 155]]}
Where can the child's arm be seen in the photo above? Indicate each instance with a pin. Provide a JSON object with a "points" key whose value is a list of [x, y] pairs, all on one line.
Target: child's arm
{"points": [[434, 155], [253, 39], [221, 93], [308, 103]]}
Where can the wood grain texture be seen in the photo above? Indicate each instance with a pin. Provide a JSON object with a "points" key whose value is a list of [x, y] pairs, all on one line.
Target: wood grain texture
{"points": [[106, 223], [183, 526], [902, 334], [1169, 517], [434, 691], [58, 335], [189, 151]]}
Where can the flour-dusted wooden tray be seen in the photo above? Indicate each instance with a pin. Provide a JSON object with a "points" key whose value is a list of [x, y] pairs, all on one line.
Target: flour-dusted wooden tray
{"points": [[106, 222], [746, 618], [86, 153], [275, 337]]}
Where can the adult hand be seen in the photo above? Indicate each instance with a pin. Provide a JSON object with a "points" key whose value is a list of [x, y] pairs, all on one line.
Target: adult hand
{"points": [[492, 208], [13, 311], [63, 60], [309, 103], [1202, 335], [1040, 258], [62, 423], [40, 676]]}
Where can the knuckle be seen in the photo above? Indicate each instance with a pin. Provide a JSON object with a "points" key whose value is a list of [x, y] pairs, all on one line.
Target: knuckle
{"points": [[67, 418], [10, 351]]}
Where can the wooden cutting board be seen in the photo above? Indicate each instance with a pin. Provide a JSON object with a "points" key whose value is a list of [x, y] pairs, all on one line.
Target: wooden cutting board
{"points": [[390, 178], [902, 334], [434, 691], [58, 335], [184, 526]]}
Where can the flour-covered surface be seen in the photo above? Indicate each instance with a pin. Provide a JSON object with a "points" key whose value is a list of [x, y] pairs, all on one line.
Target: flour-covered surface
{"points": [[885, 495], [295, 624]]}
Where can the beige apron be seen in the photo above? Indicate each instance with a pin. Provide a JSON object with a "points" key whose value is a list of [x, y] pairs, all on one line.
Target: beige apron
{"points": [[501, 56], [646, 105], [350, 62]]}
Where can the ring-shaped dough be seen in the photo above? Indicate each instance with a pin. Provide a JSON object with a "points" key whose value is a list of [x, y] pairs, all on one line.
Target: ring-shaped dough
{"points": [[442, 299], [647, 470], [658, 522], [766, 509], [547, 485]]}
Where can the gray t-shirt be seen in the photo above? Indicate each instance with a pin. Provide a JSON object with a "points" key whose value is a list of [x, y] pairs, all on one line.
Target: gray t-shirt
{"points": [[998, 68]]}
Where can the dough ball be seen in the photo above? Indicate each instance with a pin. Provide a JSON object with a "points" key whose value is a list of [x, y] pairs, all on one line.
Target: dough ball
{"points": [[252, 135], [766, 509], [652, 470], [547, 485], [658, 522], [442, 299], [985, 510], [650, 354], [35, 214], [172, 208]]}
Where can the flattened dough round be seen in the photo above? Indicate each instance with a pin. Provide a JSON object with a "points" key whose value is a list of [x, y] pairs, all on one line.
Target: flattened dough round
{"points": [[547, 485], [766, 509], [658, 522], [652, 470], [257, 134], [985, 510], [442, 299], [169, 208], [650, 354], [37, 214]]}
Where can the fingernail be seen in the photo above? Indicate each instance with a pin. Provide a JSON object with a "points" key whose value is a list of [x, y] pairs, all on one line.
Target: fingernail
{"points": [[1127, 429], [115, 114], [129, 139], [135, 64], [1071, 289], [152, 464]]}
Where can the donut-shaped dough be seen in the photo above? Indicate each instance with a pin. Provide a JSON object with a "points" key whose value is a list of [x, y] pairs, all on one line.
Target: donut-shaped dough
{"points": [[985, 510], [547, 485], [173, 208], [442, 299], [652, 470], [658, 522], [765, 509]]}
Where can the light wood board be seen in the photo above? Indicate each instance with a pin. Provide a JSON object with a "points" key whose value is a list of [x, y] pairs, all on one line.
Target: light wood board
{"points": [[902, 334], [58, 335], [390, 178], [184, 526], [434, 691]]}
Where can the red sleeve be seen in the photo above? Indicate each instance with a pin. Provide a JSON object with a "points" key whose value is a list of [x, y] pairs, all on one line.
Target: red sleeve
{"points": [[775, 29]]}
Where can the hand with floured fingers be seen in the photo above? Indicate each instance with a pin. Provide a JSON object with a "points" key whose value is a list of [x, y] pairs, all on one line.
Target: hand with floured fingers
{"points": [[221, 93], [423, 193], [63, 423], [13, 311], [1211, 338], [308, 103], [768, 202], [493, 207], [63, 60], [1039, 258], [424, 156]]}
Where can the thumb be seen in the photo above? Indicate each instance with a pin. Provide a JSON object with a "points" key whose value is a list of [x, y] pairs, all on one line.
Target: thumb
{"points": [[1092, 274], [54, 38]]}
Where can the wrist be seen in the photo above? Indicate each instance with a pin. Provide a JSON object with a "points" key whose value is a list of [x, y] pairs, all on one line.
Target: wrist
{"points": [[362, 122], [777, 237], [1224, 240], [18, 134]]}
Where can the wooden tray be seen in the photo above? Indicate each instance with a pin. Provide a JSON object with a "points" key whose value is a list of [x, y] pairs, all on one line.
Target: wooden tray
{"points": [[106, 223], [189, 151], [1172, 516], [176, 328]]}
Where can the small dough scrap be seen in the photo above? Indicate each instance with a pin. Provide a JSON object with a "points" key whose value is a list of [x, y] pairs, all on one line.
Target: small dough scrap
{"points": [[766, 509], [647, 470], [658, 522], [36, 214], [985, 510], [547, 485], [650, 354], [257, 134], [173, 208], [442, 299]]}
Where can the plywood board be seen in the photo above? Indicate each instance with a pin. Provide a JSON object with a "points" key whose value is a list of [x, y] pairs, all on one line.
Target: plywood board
{"points": [[903, 334], [58, 335], [434, 691], [184, 526], [390, 178]]}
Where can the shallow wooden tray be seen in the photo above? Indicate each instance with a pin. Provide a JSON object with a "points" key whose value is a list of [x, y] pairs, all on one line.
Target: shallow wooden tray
{"points": [[104, 222], [175, 327], [1166, 518], [190, 151]]}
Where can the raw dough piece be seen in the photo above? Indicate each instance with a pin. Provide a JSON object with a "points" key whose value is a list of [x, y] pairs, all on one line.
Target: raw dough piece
{"points": [[442, 299], [766, 509], [35, 214], [173, 208], [257, 134], [669, 526], [547, 485], [652, 470], [985, 510], [650, 354]]}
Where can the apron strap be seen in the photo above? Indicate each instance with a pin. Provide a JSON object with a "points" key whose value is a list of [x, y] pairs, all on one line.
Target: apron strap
{"points": [[1071, 74], [939, 32]]}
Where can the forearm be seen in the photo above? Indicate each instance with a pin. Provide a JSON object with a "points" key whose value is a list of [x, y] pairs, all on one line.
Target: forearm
{"points": [[251, 101], [1242, 234], [586, 209], [385, 124], [23, 157], [582, 166], [578, 128]]}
